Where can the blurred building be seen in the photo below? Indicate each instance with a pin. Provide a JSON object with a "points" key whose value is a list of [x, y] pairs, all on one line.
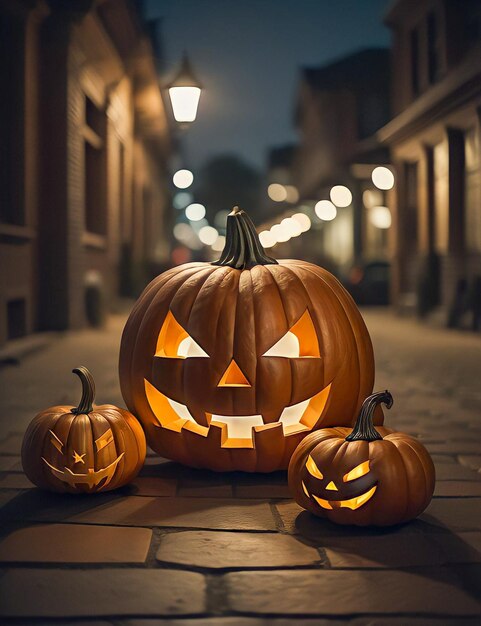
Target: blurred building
{"points": [[84, 143], [434, 139], [340, 107]]}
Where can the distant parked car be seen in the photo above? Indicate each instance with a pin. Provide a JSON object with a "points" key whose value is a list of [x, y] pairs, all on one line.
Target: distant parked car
{"points": [[369, 284]]}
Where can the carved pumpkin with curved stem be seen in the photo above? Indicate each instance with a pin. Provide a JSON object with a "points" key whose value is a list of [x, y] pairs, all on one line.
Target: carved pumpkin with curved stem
{"points": [[362, 476], [83, 449], [228, 365]]}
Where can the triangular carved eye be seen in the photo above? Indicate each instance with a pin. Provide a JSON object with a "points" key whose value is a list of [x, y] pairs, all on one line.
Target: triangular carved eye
{"points": [[300, 341], [175, 342]]}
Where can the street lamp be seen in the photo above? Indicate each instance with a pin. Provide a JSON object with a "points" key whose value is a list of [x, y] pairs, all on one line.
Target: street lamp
{"points": [[184, 92]]}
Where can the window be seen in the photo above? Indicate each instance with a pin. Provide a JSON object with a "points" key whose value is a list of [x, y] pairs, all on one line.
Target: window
{"points": [[472, 191], [441, 197], [95, 169], [12, 77], [414, 46]]}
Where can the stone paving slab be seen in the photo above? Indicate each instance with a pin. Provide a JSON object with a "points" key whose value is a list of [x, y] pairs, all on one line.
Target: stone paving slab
{"points": [[154, 486], [8, 463], [431, 592], [234, 550], [473, 461], [182, 512], [447, 471], [458, 489], [70, 543], [113, 592], [454, 513], [15, 481], [383, 551]]}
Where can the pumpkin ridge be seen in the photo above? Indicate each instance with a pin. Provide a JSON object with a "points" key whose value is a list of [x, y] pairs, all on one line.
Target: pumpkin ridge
{"points": [[149, 311], [128, 348], [347, 319], [421, 463], [224, 276], [274, 279]]}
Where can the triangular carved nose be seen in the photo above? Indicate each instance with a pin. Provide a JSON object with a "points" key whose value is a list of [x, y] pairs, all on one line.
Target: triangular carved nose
{"points": [[233, 377], [332, 487]]}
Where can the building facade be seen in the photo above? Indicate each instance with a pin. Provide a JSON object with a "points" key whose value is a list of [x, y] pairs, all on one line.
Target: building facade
{"points": [[84, 196], [434, 138], [340, 107]]}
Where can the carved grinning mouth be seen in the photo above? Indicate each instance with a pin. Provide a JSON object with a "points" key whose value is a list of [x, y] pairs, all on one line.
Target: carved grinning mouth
{"points": [[352, 503], [237, 431], [92, 478]]}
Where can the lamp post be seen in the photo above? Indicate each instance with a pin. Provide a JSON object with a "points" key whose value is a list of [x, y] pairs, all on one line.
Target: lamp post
{"points": [[184, 93]]}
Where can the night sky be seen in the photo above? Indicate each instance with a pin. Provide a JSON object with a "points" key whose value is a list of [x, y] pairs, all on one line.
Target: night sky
{"points": [[247, 54]]}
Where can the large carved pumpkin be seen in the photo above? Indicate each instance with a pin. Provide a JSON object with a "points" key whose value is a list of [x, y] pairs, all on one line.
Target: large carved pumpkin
{"points": [[83, 449], [362, 476], [229, 365]]}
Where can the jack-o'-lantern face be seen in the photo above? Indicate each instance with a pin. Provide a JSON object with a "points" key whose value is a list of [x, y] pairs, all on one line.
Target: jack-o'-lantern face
{"points": [[229, 365], [78, 471], [350, 490], [229, 396]]}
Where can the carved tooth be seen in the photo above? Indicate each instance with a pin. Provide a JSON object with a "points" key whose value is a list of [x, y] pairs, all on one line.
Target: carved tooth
{"points": [[292, 415], [181, 410], [239, 426]]}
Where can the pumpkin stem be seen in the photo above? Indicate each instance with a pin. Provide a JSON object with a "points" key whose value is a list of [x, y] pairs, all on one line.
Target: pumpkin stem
{"points": [[243, 249], [88, 391], [364, 428]]}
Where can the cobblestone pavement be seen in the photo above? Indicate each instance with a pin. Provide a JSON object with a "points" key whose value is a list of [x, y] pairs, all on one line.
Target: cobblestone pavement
{"points": [[185, 547]]}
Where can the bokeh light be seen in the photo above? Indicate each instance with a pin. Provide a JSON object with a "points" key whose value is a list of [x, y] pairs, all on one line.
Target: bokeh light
{"points": [[267, 239], [195, 212], [182, 199], [279, 233], [291, 226], [383, 178], [380, 217], [292, 195], [208, 235], [303, 220], [325, 210], [219, 244], [183, 179], [277, 192], [340, 196], [371, 198]]}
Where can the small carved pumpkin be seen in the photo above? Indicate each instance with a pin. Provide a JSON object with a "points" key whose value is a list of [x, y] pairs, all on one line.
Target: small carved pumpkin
{"points": [[84, 448], [228, 365], [364, 476]]}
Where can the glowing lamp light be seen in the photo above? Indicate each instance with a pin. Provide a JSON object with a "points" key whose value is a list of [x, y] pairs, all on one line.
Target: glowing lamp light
{"points": [[183, 179], [219, 244], [280, 234], [208, 235], [325, 210], [303, 220], [292, 195], [195, 212], [182, 199], [277, 192], [291, 226], [383, 178], [380, 217], [184, 93], [267, 239], [340, 196], [371, 198]]}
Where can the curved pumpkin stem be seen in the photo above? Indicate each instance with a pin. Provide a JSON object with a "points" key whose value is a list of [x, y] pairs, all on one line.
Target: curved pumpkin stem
{"points": [[243, 249], [88, 391], [364, 428]]}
